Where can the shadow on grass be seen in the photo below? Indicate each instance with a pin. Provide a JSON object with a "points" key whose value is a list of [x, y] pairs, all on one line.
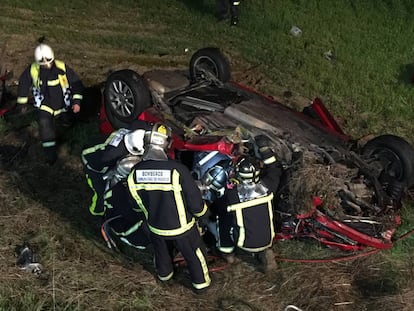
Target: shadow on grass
{"points": [[59, 189], [200, 6], [406, 74], [62, 187]]}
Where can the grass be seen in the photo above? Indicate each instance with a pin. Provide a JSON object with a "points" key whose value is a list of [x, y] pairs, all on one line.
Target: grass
{"points": [[366, 83], [369, 73]]}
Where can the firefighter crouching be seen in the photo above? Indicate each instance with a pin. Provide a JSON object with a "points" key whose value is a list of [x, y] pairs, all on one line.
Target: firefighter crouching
{"points": [[99, 159], [57, 94], [106, 167], [245, 211], [171, 201]]}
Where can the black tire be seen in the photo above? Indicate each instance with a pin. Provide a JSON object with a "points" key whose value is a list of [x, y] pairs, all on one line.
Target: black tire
{"points": [[126, 95], [208, 62], [395, 155]]}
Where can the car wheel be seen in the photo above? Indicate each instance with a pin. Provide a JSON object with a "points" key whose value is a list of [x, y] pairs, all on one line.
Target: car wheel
{"points": [[209, 63], [395, 157], [126, 95]]}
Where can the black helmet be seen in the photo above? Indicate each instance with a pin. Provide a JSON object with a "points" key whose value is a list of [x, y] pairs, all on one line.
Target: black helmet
{"points": [[247, 170], [216, 178]]}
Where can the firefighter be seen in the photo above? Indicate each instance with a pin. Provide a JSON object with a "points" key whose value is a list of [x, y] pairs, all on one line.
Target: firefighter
{"points": [[127, 223], [166, 192], [228, 9], [245, 211], [57, 94], [99, 159]]}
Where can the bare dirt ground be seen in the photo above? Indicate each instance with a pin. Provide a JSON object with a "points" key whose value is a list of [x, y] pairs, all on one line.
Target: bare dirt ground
{"points": [[47, 206]]}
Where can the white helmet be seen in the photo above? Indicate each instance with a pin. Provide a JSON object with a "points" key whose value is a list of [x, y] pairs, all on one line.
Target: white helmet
{"points": [[44, 54], [134, 142]]}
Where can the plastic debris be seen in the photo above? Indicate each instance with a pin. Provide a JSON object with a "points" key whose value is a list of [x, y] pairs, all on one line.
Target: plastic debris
{"points": [[295, 31], [26, 260], [292, 307], [329, 55]]}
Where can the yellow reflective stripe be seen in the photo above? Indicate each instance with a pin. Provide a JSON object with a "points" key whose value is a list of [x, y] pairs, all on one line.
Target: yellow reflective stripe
{"points": [[226, 250], [238, 208], [202, 212], [130, 244], [176, 188], [51, 111], [94, 199], [108, 194], [49, 144], [107, 205], [34, 73], [63, 81], [242, 231], [135, 195], [94, 149], [53, 82], [130, 230], [173, 232], [204, 267], [22, 100], [246, 204], [270, 160], [166, 278], [102, 171], [179, 201], [77, 96]]}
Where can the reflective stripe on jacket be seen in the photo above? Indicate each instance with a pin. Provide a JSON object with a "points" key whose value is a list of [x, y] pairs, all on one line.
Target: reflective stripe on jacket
{"points": [[168, 195], [62, 80], [101, 157], [255, 221]]}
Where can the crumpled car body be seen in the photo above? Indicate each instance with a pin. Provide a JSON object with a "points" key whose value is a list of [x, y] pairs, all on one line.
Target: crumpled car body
{"points": [[343, 192]]}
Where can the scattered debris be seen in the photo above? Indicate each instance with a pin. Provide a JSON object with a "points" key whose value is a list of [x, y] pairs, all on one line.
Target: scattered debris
{"points": [[329, 55], [295, 31], [26, 260], [292, 307]]}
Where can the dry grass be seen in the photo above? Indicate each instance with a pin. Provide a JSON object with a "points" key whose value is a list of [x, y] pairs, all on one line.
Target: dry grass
{"points": [[81, 274], [48, 208]]}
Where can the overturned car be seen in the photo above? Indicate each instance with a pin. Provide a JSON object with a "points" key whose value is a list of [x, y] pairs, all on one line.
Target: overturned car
{"points": [[335, 189]]}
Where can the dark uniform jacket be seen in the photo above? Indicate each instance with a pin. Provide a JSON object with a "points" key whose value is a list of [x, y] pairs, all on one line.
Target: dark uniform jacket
{"points": [[102, 157], [57, 88], [168, 196], [248, 218], [252, 221]]}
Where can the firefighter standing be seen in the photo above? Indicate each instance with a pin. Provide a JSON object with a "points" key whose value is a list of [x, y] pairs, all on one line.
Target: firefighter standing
{"points": [[57, 94], [170, 199], [228, 9], [245, 211]]}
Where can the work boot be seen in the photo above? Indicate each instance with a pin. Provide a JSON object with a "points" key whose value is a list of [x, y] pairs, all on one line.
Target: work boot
{"points": [[50, 153], [202, 291], [234, 20], [267, 260]]}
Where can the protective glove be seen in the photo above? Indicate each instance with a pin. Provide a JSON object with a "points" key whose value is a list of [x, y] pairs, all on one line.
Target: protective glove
{"points": [[204, 220], [22, 108], [265, 151]]}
